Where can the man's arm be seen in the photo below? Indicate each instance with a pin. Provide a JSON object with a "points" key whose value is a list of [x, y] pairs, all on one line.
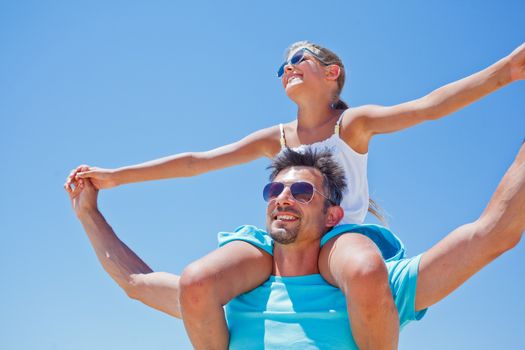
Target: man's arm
{"points": [[159, 290], [469, 248]]}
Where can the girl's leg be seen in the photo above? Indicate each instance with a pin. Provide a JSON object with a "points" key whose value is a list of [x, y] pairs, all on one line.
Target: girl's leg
{"points": [[207, 284], [353, 263]]}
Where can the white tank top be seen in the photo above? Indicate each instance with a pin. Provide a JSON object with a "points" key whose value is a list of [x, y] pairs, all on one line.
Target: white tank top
{"points": [[356, 197]]}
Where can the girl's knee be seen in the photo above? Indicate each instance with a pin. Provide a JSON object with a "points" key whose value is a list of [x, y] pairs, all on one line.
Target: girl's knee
{"points": [[197, 284], [352, 259], [365, 268], [357, 260], [365, 279], [224, 274]]}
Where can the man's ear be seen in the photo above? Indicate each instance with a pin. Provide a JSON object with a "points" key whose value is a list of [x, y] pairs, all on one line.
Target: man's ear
{"points": [[332, 72], [334, 215]]}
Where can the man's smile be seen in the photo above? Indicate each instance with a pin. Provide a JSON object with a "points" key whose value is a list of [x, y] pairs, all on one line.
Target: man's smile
{"points": [[287, 215]]}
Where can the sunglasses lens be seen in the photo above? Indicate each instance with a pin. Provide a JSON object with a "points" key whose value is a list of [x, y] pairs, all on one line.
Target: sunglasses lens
{"points": [[280, 72], [272, 190], [296, 58], [302, 191]]}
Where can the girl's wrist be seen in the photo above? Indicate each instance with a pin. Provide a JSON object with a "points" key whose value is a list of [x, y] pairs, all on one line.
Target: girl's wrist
{"points": [[118, 176], [515, 73]]}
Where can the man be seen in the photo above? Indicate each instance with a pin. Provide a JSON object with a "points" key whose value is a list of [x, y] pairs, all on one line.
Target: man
{"points": [[296, 308]]}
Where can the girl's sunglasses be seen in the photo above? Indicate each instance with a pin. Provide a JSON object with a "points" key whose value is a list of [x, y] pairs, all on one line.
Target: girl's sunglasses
{"points": [[297, 58], [302, 192]]}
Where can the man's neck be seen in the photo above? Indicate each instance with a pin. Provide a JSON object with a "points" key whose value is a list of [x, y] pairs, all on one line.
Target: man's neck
{"points": [[296, 259]]}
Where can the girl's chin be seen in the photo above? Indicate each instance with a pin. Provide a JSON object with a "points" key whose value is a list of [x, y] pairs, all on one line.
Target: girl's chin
{"points": [[292, 90]]}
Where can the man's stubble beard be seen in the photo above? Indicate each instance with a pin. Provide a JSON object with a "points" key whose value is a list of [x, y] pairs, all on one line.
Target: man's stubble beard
{"points": [[283, 235]]}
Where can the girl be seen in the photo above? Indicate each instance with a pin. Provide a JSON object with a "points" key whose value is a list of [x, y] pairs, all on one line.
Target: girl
{"points": [[312, 77]]}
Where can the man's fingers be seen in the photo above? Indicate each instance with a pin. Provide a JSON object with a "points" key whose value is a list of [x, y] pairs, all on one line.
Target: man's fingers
{"points": [[73, 190], [76, 191], [77, 186], [69, 182], [67, 187]]}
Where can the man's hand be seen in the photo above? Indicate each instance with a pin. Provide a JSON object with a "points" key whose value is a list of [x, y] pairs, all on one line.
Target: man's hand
{"points": [[517, 63], [82, 193]]}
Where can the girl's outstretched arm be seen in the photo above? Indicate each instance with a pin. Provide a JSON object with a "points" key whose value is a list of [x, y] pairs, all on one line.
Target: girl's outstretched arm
{"points": [[261, 143], [440, 102]]}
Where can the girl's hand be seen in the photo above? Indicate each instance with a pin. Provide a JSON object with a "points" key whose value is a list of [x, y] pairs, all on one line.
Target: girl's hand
{"points": [[517, 63], [99, 177]]}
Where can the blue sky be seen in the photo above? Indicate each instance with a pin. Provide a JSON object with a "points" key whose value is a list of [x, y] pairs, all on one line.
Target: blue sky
{"points": [[119, 82]]}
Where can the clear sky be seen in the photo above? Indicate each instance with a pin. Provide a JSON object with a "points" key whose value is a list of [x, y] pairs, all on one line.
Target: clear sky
{"points": [[112, 83]]}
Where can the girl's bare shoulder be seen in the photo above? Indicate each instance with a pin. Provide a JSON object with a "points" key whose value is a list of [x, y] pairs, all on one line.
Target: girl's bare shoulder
{"points": [[353, 129]]}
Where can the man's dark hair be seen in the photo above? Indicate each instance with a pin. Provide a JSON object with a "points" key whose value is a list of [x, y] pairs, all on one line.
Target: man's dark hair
{"points": [[334, 181]]}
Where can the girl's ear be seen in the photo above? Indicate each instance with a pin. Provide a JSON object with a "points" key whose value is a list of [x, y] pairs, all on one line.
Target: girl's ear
{"points": [[334, 214], [332, 72]]}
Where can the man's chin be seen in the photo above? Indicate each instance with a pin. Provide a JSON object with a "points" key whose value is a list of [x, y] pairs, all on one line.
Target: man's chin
{"points": [[282, 235]]}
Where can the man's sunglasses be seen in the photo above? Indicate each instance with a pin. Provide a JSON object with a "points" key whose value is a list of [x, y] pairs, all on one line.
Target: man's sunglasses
{"points": [[302, 192], [297, 58]]}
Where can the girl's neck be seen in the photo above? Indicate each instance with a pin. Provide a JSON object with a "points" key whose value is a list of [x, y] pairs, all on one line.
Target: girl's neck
{"points": [[314, 116]]}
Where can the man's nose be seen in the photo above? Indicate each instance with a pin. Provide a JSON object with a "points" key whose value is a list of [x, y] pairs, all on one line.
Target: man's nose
{"points": [[285, 197]]}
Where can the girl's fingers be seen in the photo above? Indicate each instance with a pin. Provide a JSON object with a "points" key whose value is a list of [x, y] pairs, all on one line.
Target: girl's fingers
{"points": [[84, 174]]}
